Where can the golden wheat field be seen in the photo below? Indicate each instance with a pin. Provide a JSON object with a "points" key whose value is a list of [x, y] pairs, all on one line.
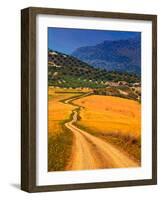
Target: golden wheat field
{"points": [[107, 114], [58, 111]]}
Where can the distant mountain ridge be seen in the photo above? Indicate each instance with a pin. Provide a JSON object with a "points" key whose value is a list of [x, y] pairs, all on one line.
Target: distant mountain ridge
{"points": [[119, 55]]}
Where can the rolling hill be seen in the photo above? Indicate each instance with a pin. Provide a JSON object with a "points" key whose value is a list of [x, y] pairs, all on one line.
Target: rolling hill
{"points": [[68, 71]]}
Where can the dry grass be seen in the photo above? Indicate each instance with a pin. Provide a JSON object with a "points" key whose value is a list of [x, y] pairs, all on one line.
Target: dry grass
{"points": [[107, 114], [59, 149], [58, 111], [114, 119], [60, 139]]}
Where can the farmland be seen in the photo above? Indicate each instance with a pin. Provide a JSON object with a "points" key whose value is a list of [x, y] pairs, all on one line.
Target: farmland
{"points": [[114, 119], [59, 137], [94, 108], [58, 111]]}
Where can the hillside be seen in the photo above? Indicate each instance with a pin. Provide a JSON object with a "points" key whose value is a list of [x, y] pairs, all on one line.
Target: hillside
{"points": [[119, 55], [68, 71]]}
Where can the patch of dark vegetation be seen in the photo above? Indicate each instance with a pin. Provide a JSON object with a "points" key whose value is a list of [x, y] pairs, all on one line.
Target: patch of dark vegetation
{"points": [[122, 92], [68, 71]]}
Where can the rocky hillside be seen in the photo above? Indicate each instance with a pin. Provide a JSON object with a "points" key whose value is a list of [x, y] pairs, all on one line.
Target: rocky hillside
{"points": [[68, 71], [119, 55]]}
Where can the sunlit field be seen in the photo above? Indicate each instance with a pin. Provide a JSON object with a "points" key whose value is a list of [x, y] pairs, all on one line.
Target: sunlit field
{"points": [[116, 120], [94, 99], [108, 114], [60, 139], [58, 111]]}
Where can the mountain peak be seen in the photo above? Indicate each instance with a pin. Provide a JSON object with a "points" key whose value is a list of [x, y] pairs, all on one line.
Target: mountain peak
{"points": [[120, 55]]}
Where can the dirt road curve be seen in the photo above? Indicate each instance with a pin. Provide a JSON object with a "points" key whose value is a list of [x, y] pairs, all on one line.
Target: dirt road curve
{"points": [[74, 98], [90, 152]]}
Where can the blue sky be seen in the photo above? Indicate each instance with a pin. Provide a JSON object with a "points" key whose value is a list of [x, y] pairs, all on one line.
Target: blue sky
{"points": [[66, 40]]}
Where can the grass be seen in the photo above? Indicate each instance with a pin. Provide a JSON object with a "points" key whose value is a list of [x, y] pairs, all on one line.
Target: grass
{"points": [[75, 82], [60, 138], [114, 119], [58, 111], [107, 114], [128, 144], [59, 149]]}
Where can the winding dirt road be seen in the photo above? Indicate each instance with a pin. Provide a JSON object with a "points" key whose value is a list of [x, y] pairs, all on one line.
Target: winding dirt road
{"points": [[90, 152], [69, 101]]}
